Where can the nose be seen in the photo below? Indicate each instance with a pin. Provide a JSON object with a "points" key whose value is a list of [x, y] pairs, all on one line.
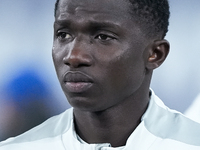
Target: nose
{"points": [[78, 55]]}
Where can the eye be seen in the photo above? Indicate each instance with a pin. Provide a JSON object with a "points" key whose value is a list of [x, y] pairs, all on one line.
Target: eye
{"points": [[104, 37], [64, 36]]}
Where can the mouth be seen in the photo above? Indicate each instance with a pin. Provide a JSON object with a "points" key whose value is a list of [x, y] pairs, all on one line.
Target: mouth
{"points": [[77, 82]]}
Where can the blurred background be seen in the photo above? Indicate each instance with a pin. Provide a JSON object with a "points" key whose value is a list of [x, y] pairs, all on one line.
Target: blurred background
{"points": [[29, 89]]}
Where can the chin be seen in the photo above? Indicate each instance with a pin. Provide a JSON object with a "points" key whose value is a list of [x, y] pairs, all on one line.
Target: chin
{"points": [[83, 104]]}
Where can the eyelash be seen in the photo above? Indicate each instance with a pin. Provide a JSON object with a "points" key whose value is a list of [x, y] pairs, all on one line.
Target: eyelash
{"points": [[63, 35], [102, 37]]}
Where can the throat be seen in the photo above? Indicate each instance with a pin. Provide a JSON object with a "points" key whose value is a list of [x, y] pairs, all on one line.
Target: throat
{"points": [[102, 127], [113, 125]]}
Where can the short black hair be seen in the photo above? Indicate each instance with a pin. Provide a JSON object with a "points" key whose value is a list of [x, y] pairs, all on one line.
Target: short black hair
{"points": [[152, 15], [56, 7]]}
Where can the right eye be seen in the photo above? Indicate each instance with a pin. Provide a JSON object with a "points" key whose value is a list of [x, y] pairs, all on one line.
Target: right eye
{"points": [[64, 36]]}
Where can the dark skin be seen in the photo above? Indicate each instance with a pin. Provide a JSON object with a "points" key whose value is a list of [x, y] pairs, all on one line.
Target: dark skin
{"points": [[104, 63]]}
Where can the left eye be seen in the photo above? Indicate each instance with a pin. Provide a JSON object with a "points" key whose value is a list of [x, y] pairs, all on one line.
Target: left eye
{"points": [[104, 37], [64, 35]]}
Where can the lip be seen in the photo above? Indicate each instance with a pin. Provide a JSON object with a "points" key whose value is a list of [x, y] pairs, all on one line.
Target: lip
{"points": [[77, 82]]}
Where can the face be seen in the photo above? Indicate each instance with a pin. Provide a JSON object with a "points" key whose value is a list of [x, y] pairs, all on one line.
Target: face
{"points": [[98, 53]]}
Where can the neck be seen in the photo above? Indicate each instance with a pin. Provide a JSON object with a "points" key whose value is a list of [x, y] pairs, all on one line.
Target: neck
{"points": [[113, 125]]}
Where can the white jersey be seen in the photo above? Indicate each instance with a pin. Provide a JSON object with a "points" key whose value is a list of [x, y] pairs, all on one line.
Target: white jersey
{"points": [[193, 112], [160, 129]]}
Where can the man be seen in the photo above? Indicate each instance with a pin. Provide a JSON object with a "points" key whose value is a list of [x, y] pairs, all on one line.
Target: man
{"points": [[104, 53]]}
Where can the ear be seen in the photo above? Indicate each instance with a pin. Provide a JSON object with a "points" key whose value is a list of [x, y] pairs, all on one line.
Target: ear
{"points": [[157, 54]]}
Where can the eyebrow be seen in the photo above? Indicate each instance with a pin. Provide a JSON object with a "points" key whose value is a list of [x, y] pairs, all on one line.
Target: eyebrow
{"points": [[104, 24], [91, 24], [62, 22]]}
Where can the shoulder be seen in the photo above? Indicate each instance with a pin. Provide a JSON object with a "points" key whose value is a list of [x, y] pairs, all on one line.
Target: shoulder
{"points": [[170, 125], [51, 128], [193, 111]]}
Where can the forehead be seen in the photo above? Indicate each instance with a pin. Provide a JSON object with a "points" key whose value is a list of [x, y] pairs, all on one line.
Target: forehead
{"points": [[115, 8]]}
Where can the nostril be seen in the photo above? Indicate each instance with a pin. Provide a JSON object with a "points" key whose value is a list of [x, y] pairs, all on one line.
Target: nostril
{"points": [[66, 61], [76, 61]]}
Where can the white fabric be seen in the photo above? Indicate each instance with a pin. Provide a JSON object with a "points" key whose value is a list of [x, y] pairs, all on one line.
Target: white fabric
{"points": [[160, 129], [193, 111]]}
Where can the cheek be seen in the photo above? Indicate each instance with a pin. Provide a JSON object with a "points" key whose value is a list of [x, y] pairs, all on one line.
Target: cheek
{"points": [[127, 73], [58, 63], [55, 60]]}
